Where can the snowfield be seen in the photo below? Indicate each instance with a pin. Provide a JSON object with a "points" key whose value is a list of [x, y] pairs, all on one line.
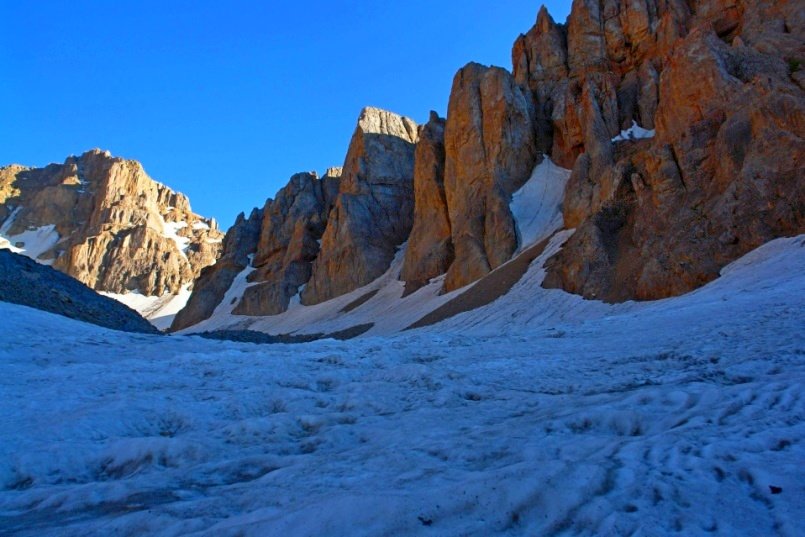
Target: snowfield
{"points": [[538, 414], [158, 310]]}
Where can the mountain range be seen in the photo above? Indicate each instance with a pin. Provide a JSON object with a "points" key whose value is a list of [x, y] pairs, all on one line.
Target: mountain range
{"points": [[634, 150], [572, 306]]}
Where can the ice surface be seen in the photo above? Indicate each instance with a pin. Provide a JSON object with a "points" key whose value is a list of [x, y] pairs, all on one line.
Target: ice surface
{"points": [[536, 207], [578, 418], [635, 132]]}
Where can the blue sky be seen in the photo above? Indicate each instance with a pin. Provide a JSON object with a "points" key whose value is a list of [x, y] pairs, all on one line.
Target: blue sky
{"points": [[224, 101]]}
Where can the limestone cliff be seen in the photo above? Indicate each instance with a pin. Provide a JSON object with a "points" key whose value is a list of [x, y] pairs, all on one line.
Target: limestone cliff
{"points": [[239, 246], [374, 210], [490, 151], [721, 87], [293, 224], [430, 246]]}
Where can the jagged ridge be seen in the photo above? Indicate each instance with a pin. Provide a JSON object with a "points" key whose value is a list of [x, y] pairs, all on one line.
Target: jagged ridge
{"points": [[682, 124]]}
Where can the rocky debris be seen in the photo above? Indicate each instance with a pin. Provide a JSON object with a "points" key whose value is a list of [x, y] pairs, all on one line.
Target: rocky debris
{"points": [[723, 174], [260, 338], [486, 290], [118, 230], [490, 151], [374, 210], [430, 245], [293, 224], [26, 282], [239, 246]]}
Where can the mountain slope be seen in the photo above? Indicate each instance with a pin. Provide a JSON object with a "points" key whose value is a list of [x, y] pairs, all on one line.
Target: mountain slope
{"points": [[387, 303], [25, 282], [718, 88]]}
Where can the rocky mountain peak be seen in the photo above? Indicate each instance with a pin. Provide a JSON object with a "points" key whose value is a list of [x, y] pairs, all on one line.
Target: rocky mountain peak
{"points": [[378, 121], [490, 151], [104, 221], [374, 209], [671, 114]]}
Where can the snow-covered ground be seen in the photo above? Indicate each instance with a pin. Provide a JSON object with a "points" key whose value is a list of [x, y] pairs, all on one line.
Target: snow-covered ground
{"points": [[536, 207], [556, 416]]}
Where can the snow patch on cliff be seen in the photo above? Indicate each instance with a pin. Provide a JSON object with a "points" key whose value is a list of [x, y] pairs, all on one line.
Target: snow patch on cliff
{"points": [[537, 206], [635, 132], [32, 242], [171, 231]]}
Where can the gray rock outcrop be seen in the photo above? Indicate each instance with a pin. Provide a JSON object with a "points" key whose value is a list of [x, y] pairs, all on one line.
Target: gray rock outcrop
{"points": [[239, 246], [293, 224]]}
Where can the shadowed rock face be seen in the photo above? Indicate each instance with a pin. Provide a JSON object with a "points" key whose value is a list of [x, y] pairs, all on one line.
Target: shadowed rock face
{"points": [[430, 246], [540, 64], [115, 225], [26, 282], [490, 151], [607, 52], [293, 224], [281, 240], [723, 174], [374, 210], [239, 244]]}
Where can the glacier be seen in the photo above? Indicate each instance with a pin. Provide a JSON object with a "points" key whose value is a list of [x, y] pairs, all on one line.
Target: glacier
{"points": [[537, 414]]}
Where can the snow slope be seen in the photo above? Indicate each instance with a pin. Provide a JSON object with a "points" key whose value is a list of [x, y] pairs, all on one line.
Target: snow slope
{"points": [[170, 230], [386, 309], [536, 207], [158, 310], [670, 417], [33, 242]]}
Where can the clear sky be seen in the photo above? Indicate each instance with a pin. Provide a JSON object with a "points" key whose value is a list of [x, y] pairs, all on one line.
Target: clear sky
{"points": [[224, 101]]}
